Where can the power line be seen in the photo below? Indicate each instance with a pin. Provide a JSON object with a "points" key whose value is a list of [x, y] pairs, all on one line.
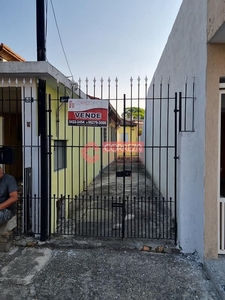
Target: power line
{"points": [[61, 39]]}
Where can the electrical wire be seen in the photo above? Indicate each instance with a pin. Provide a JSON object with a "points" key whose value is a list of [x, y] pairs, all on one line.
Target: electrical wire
{"points": [[61, 39]]}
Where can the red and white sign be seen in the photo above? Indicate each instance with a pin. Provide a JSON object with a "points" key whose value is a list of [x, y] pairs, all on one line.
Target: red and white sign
{"points": [[88, 112]]}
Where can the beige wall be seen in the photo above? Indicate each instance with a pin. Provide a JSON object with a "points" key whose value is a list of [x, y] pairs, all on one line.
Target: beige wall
{"points": [[216, 16], [215, 69]]}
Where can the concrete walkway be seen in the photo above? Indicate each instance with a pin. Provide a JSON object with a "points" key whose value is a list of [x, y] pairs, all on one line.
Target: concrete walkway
{"points": [[47, 272], [98, 210]]}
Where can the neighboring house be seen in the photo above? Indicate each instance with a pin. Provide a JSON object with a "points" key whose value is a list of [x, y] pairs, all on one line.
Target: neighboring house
{"points": [[195, 53], [69, 171], [7, 54]]}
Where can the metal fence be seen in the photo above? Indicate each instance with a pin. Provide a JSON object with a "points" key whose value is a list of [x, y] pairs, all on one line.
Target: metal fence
{"points": [[119, 180]]}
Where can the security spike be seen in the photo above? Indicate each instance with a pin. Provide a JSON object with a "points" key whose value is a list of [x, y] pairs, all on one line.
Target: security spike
{"points": [[161, 79], [168, 80]]}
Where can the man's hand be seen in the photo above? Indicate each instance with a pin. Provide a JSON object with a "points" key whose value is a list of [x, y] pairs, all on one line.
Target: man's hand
{"points": [[13, 197]]}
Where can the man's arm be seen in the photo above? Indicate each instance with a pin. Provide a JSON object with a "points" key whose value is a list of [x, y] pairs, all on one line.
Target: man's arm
{"points": [[13, 197]]}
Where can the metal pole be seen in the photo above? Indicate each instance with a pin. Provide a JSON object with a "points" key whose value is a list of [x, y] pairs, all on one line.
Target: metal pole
{"points": [[124, 140], [42, 120], [40, 21], [44, 162], [175, 168], [49, 166], [124, 169]]}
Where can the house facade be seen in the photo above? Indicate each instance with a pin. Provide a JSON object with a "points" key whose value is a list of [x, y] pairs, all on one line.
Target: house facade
{"points": [[193, 64]]}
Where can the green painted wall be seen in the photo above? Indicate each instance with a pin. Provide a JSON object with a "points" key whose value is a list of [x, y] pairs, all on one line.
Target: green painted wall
{"points": [[79, 173]]}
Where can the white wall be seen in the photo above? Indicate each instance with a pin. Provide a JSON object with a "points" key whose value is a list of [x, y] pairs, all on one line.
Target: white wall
{"points": [[185, 56], [30, 132], [31, 144]]}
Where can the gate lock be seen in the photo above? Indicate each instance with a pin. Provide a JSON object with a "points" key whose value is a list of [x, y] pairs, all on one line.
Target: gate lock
{"points": [[125, 173]]}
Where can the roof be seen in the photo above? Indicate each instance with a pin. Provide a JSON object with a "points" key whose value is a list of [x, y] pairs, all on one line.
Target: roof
{"points": [[8, 54], [112, 111], [128, 122]]}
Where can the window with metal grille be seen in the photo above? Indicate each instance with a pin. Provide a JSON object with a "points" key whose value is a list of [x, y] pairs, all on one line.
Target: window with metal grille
{"points": [[59, 155]]}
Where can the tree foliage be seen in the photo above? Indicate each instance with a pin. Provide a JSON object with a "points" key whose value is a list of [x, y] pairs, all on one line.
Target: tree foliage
{"points": [[134, 113]]}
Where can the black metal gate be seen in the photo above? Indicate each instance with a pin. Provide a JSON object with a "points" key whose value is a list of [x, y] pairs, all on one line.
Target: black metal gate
{"points": [[106, 179], [126, 174]]}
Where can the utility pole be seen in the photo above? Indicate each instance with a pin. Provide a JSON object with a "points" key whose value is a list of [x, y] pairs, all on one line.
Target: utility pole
{"points": [[42, 120], [40, 17]]}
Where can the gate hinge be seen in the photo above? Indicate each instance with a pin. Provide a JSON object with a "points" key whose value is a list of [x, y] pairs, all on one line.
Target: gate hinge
{"points": [[176, 110], [176, 157]]}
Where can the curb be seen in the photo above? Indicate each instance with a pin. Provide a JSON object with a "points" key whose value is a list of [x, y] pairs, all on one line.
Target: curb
{"points": [[153, 246]]}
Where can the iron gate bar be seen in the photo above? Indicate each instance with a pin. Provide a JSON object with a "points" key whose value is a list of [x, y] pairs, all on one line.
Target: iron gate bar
{"points": [[124, 140], [180, 110], [146, 96], [160, 142], [153, 139], [167, 150], [49, 111], [185, 106], [44, 169], [193, 104], [175, 167], [127, 201]]}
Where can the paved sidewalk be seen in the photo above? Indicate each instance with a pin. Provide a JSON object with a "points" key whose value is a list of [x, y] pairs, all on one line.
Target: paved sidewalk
{"points": [[215, 269], [101, 273]]}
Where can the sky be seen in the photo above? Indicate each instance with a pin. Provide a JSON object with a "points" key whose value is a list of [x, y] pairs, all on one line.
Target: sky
{"points": [[101, 38]]}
